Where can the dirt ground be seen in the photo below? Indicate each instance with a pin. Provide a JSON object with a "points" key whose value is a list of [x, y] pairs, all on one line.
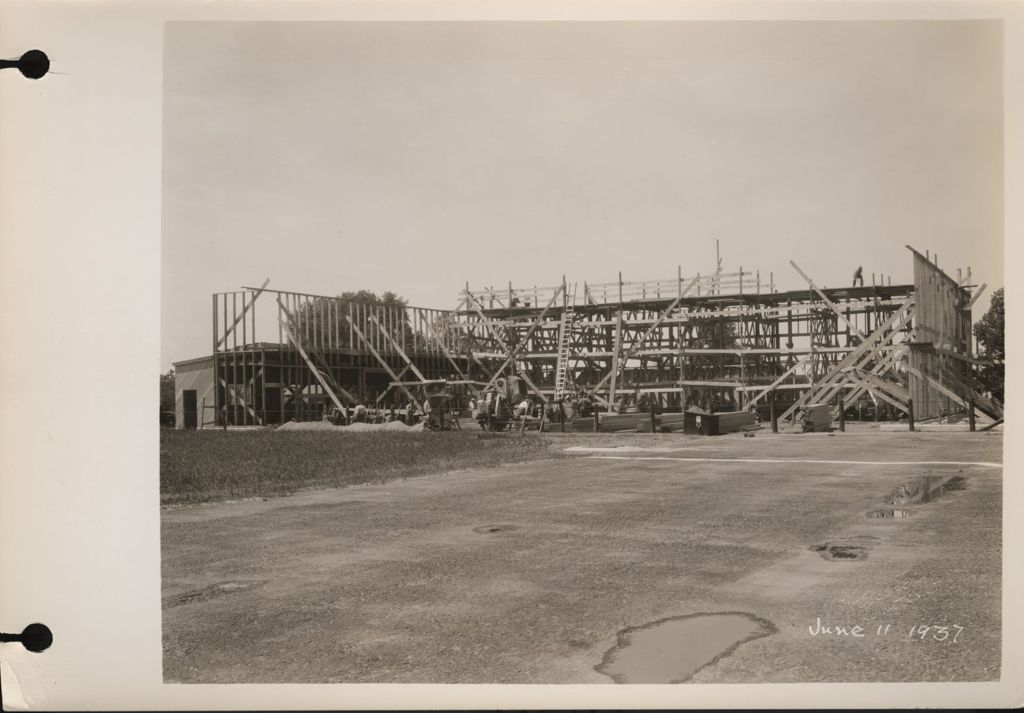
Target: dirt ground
{"points": [[555, 571]]}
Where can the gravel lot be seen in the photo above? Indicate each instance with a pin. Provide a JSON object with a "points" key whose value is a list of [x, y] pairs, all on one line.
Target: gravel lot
{"points": [[541, 572]]}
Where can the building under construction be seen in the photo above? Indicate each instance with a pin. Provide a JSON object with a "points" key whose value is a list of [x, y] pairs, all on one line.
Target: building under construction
{"points": [[722, 341]]}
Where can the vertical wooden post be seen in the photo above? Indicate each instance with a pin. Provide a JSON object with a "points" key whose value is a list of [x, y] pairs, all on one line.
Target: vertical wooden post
{"points": [[597, 421], [842, 414], [245, 322], [970, 414], [718, 270], [216, 387], [924, 392], [616, 348], [263, 386], [910, 414], [774, 415], [226, 360], [741, 395]]}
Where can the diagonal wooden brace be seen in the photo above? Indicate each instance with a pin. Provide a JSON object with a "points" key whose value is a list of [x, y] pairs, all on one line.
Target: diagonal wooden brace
{"points": [[832, 306], [866, 349], [640, 342], [383, 362], [525, 340], [245, 310]]}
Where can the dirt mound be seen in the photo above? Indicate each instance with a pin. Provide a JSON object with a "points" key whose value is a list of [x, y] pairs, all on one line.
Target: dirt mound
{"points": [[354, 428], [307, 426], [390, 426]]}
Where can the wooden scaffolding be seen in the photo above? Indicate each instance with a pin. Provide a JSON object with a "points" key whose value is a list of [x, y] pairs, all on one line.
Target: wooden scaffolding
{"points": [[733, 341], [726, 341]]}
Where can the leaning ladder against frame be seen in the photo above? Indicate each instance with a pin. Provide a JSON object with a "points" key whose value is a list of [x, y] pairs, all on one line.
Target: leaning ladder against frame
{"points": [[564, 342], [513, 351], [320, 371]]}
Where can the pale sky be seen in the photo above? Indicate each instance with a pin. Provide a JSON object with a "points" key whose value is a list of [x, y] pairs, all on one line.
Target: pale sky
{"points": [[415, 157]]}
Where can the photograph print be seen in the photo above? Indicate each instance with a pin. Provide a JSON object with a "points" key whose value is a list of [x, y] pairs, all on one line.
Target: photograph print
{"points": [[582, 352]]}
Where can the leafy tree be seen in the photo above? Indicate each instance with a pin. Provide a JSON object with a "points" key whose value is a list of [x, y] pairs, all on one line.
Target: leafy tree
{"points": [[327, 316], [167, 391], [990, 332]]}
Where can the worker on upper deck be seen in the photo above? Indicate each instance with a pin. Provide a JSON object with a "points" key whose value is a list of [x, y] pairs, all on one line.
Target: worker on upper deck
{"points": [[858, 276]]}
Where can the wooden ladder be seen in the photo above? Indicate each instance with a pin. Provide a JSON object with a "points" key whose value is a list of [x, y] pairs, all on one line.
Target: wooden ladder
{"points": [[564, 341]]}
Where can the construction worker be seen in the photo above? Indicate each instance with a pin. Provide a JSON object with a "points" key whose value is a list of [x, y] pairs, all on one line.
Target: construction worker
{"points": [[523, 408], [858, 276], [569, 407]]}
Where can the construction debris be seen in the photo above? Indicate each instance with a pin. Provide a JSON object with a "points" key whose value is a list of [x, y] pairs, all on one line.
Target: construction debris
{"points": [[815, 418]]}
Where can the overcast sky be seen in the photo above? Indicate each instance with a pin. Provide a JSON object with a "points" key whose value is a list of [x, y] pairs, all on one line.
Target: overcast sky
{"points": [[415, 157]]}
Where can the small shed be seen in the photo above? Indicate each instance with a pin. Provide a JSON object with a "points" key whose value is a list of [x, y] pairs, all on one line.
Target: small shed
{"points": [[193, 390], [698, 422]]}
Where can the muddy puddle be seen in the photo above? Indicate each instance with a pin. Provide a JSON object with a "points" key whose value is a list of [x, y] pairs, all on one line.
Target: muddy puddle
{"points": [[925, 489], [848, 549], [672, 650]]}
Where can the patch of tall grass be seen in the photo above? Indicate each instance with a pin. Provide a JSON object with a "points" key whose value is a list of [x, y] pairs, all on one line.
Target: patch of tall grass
{"points": [[202, 466]]}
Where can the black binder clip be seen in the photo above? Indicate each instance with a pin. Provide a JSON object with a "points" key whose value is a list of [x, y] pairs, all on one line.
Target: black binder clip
{"points": [[34, 64], [34, 637]]}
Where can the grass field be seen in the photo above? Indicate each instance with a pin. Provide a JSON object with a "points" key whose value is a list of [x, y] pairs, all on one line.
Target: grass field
{"points": [[203, 466]]}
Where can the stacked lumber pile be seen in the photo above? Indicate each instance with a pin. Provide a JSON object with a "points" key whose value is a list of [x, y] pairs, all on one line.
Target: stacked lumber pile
{"points": [[615, 422], [670, 422], [733, 421], [816, 417], [573, 425]]}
